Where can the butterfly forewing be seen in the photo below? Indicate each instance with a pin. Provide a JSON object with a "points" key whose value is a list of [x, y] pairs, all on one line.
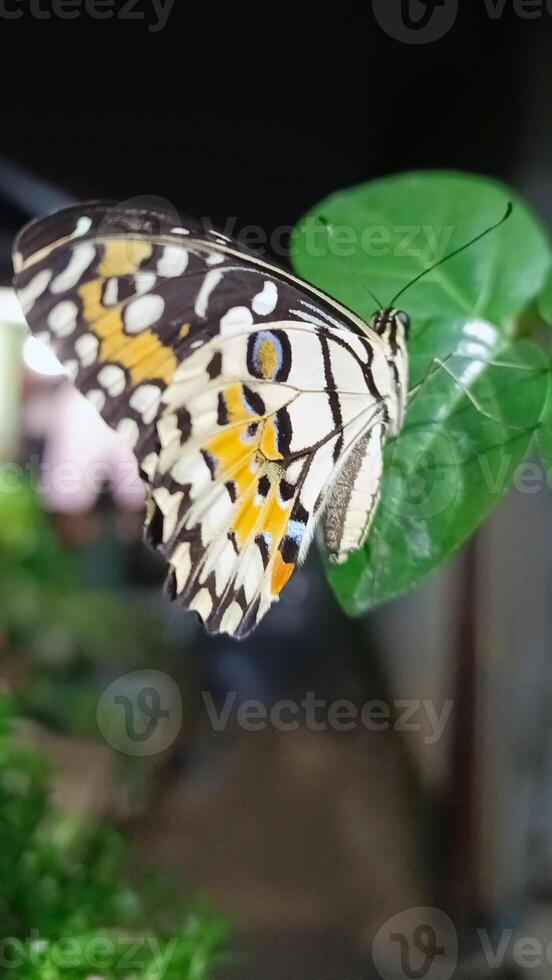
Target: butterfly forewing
{"points": [[242, 392]]}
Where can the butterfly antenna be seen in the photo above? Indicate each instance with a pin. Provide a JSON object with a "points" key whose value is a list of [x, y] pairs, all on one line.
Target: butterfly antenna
{"points": [[457, 251], [324, 221]]}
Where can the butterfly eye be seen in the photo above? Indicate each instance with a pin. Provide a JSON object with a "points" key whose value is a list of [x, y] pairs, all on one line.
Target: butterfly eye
{"points": [[405, 320]]}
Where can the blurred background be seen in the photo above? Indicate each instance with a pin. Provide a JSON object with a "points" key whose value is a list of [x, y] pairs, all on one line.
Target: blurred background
{"points": [[305, 842]]}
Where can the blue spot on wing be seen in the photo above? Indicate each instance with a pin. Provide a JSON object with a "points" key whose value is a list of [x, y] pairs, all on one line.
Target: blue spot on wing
{"points": [[296, 530]]}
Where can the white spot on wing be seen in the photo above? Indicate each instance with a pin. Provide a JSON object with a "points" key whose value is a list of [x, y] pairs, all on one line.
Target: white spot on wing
{"points": [[128, 429], [96, 398], [173, 261], [112, 378], [294, 470], [202, 603], [145, 401], [83, 255], [214, 258], [29, 294], [167, 429], [232, 618], [144, 282], [252, 575], [72, 369], [182, 564], [62, 319], [86, 348], [149, 464], [224, 566], [265, 301], [210, 282], [84, 224], [236, 318], [168, 504], [111, 292], [215, 517], [143, 312], [191, 468]]}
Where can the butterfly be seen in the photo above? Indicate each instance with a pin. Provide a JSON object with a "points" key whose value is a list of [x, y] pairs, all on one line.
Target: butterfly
{"points": [[257, 406]]}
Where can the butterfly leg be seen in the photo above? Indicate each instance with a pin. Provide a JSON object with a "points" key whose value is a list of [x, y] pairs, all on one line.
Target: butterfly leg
{"points": [[433, 368], [441, 364]]}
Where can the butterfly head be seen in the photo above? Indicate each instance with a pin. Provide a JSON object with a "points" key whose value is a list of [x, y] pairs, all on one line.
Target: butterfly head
{"points": [[392, 326]]}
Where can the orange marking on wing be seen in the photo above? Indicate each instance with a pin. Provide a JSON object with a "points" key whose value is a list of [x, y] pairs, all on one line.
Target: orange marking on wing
{"points": [[123, 257], [143, 355], [281, 573], [91, 295], [276, 519], [235, 404], [247, 516], [269, 440], [228, 448], [242, 475]]}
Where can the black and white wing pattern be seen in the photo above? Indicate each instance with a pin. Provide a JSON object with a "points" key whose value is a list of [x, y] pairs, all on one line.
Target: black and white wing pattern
{"points": [[252, 401]]}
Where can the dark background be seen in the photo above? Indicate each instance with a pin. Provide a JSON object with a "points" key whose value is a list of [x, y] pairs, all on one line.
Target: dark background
{"points": [[258, 113]]}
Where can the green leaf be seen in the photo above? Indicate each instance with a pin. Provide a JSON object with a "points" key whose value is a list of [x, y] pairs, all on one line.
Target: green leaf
{"points": [[544, 306], [544, 302], [452, 463], [545, 433]]}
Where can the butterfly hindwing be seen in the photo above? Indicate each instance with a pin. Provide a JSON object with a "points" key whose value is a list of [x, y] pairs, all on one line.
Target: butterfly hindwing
{"points": [[236, 493]]}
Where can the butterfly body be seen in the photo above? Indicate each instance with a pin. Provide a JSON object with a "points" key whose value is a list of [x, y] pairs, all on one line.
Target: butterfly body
{"points": [[257, 406]]}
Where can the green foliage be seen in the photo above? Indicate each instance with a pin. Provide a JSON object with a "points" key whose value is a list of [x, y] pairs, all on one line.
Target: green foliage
{"points": [[544, 306], [63, 629], [43, 601], [452, 463], [544, 302], [545, 435], [66, 911]]}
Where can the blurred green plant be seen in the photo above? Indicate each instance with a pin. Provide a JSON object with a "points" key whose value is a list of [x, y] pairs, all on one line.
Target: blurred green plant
{"points": [[451, 463], [66, 910], [71, 635]]}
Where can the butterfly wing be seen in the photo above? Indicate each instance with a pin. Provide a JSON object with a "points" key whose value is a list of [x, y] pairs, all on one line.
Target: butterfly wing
{"points": [[121, 297], [354, 495], [237, 493], [241, 391]]}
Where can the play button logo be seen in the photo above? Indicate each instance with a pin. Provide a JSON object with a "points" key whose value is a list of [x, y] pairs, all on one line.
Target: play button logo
{"points": [[415, 21]]}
